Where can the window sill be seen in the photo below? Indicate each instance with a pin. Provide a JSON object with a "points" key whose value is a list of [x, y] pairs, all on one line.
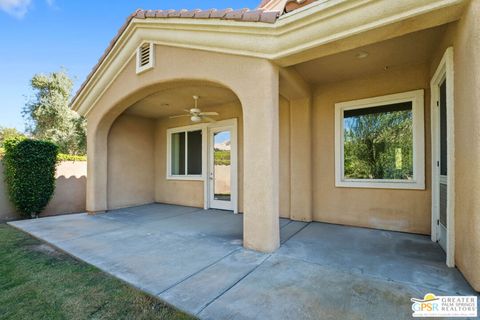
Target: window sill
{"points": [[399, 185], [186, 178]]}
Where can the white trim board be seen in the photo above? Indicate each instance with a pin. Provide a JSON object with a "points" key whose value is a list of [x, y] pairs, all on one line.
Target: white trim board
{"points": [[445, 70], [418, 181]]}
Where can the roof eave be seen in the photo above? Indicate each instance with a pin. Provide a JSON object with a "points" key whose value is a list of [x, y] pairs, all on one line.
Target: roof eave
{"points": [[321, 22], [264, 19]]}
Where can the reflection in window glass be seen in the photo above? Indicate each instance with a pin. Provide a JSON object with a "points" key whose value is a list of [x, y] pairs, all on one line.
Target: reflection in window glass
{"points": [[443, 128], [222, 166], [186, 153], [378, 142], [178, 153], [194, 153]]}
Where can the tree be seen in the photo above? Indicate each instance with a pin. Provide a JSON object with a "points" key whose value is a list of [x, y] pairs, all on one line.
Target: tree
{"points": [[379, 146], [9, 133], [49, 116]]}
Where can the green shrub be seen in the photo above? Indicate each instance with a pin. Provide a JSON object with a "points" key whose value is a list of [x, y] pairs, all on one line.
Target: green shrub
{"points": [[70, 157], [30, 174], [222, 157]]}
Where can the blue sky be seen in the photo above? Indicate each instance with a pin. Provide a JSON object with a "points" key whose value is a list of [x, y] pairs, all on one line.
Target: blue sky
{"points": [[41, 36]]}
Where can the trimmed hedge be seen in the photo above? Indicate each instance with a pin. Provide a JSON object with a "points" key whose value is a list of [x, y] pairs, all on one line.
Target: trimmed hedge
{"points": [[70, 157], [30, 174], [60, 157]]}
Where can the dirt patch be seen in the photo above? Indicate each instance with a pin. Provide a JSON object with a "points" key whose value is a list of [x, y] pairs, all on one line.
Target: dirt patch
{"points": [[46, 249]]}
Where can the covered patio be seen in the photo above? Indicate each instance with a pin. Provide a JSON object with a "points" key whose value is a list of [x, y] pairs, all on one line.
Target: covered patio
{"points": [[194, 259]]}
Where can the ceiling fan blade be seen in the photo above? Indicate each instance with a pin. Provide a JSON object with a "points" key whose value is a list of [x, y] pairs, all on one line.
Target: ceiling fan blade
{"points": [[179, 116], [212, 113], [208, 119], [186, 110]]}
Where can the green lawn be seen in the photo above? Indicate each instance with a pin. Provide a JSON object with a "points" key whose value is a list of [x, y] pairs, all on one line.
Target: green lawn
{"points": [[39, 282]]}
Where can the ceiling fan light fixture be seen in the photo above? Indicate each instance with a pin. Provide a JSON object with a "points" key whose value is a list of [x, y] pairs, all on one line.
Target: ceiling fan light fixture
{"points": [[195, 110], [195, 114], [196, 118]]}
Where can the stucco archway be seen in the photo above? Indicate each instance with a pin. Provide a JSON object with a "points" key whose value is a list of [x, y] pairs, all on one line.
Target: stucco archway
{"points": [[256, 84], [138, 153]]}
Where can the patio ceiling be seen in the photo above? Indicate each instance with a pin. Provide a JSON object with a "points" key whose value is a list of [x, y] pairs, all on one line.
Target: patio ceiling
{"points": [[411, 49], [174, 98]]}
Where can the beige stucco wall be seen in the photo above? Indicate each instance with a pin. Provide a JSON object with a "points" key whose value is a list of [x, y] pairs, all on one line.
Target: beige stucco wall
{"points": [[131, 162], [69, 195], [391, 209]]}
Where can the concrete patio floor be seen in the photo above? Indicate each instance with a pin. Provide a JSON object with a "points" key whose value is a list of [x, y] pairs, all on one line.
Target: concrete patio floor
{"points": [[194, 260]]}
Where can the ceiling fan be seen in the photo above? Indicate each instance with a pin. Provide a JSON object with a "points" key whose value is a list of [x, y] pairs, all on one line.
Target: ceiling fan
{"points": [[197, 115]]}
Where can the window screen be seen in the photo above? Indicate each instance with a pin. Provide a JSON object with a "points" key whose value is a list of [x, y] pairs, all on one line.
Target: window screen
{"points": [[194, 152]]}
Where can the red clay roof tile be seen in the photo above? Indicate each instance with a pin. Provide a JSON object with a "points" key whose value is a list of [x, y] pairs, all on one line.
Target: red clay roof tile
{"points": [[204, 14], [269, 17], [236, 14], [292, 5], [219, 14], [247, 15], [189, 13], [253, 15]]}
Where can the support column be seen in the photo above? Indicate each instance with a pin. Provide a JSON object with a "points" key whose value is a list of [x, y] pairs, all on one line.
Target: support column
{"points": [[301, 160], [96, 168], [261, 230]]}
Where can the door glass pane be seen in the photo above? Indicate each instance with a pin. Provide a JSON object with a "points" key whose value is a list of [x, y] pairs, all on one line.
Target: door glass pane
{"points": [[443, 128], [194, 153], [222, 166], [178, 153], [378, 142], [443, 152]]}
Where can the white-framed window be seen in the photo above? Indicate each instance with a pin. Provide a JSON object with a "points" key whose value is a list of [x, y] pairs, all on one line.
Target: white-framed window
{"points": [[185, 152], [379, 142], [145, 57]]}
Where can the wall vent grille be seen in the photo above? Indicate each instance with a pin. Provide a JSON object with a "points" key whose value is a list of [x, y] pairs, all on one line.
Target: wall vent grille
{"points": [[145, 57]]}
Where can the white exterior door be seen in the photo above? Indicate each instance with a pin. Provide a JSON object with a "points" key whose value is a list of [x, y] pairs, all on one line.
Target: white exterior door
{"points": [[222, 167], [442, 165], [443, 159]]}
